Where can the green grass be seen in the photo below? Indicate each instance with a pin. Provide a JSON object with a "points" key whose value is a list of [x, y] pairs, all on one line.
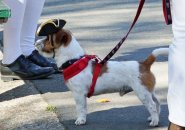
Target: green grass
{"points": [[51, 108]]}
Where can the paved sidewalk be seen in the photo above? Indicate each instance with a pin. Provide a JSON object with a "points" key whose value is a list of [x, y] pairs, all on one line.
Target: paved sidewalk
{"points": [[23, 108]]}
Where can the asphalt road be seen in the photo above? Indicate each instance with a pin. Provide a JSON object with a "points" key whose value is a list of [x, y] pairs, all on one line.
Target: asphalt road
{"points": [[99, 25]]}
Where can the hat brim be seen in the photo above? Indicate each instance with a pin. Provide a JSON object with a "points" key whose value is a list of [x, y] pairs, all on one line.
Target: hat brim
{"points": [[50, 27]]}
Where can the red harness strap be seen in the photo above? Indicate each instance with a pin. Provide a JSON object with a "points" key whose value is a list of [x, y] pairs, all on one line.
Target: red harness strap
{"points": [[94, 79], [77, 67], [80, 65]]}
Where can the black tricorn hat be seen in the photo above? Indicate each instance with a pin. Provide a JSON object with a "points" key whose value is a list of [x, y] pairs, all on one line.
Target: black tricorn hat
{"points": [[50, 27]]}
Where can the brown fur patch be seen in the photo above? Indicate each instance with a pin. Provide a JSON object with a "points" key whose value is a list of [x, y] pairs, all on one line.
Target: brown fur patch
{"points": [[175, 127], [146, 76], [149, 61], [48, 47], [63, 37], [104, 68]]}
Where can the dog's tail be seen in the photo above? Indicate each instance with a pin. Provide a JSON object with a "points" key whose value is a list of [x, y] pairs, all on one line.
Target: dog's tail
{"points": [[155, 53]]}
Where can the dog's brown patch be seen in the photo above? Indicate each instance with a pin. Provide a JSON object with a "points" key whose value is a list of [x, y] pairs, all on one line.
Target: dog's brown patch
{"points": [[173, 126], [104, 69], [146, 75], [48, 47], [63, 37]]}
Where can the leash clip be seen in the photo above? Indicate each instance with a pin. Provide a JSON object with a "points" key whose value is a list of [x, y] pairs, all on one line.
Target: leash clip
{"points": [[97, 59]]}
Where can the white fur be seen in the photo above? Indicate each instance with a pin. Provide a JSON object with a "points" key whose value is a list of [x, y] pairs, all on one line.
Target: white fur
{"points": [[160, 51], [119, 74]]}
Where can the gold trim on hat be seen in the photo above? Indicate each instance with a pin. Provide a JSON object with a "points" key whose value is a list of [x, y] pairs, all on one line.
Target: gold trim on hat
{"points": [[43, 24]]}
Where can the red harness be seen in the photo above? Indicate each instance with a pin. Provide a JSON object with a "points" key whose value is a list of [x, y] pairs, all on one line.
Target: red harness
{"points": [[80, 65]]}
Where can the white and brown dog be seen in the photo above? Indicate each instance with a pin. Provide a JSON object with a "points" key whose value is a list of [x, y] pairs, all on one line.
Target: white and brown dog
{"points": [[114, 77]]}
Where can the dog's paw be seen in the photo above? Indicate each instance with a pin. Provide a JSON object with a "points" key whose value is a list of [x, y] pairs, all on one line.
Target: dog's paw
{"points": [[154, 123], [149, 118], [80, 121]]}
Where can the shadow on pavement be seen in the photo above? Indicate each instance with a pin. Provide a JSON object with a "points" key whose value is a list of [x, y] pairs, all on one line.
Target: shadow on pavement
{"points": [[128, 118], [141, 55], [17, 92], [53, 83]]}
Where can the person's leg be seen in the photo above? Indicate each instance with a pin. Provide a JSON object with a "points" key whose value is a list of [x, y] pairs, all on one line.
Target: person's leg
{"points": [[176, 91], [14, 64], [12, 31], [31, 16]]}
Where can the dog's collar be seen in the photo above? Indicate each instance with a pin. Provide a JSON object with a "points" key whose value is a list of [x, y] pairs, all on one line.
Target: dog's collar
{"points": [[68, 63]]}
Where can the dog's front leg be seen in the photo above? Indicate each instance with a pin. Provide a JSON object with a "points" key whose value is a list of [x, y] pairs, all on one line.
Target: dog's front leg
{"points": [[81, 107]]}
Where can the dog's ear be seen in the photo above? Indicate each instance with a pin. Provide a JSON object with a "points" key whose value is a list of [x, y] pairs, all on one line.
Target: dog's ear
{"points": [[50, 27], [63, 37]]}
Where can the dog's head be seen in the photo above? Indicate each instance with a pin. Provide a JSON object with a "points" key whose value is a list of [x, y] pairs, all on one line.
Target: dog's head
{"points": [[55, 37], [58, 44], [52, 42]]}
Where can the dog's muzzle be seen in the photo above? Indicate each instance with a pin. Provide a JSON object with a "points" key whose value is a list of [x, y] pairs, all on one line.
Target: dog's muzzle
{"points": [[39, 45]]}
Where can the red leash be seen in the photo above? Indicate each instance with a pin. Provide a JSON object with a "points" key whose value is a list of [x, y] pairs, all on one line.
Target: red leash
{"points": [[168, 19], [116, 48], [167, 12]]}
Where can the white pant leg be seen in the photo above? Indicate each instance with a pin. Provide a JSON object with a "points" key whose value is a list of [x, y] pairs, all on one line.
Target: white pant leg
{"points": [[176, 91], [12, 30], [31, 16]]}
